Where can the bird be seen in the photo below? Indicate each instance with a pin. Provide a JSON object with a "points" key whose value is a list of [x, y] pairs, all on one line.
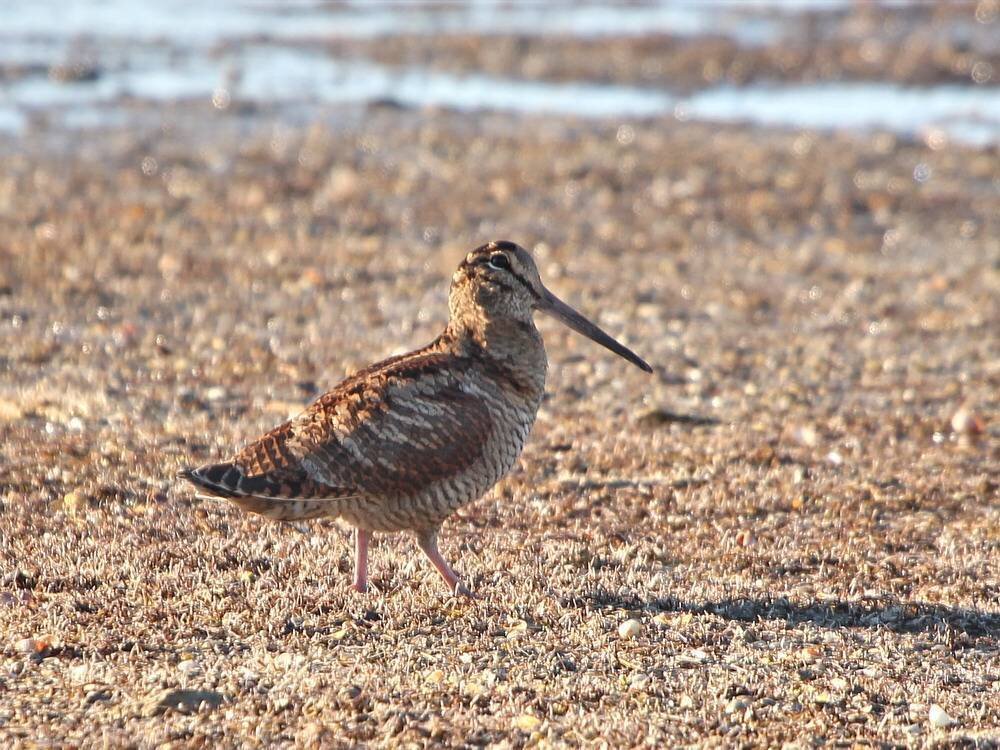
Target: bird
{"points": [[404, 443]]}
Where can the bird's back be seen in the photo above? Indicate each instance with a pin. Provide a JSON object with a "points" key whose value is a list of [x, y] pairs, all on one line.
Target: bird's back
{"points": [[399, 445]]}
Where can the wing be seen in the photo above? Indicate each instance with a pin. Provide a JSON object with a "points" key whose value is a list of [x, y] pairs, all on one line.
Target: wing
{"points": [[396, 432], [389, 431]]}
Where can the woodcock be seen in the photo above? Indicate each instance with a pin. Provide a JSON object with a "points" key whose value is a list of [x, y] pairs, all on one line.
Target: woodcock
{"points": [[402, 444]]}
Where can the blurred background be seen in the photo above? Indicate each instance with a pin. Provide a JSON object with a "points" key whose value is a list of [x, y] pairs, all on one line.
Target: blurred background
{"points": [[927, 69]]}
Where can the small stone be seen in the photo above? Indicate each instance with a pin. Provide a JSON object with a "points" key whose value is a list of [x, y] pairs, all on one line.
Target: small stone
{"points": [[810, 654], [9, 411], [807, 436], [182, 701], [639, 681], [518, 629], [629, 629], [189, 666], [527, 723], [839, 683], [311, 277], [736, 705], [938, 717], [474, 688], [353, 696], [313, 734], [966, 422], [31, 646], [434, 677], [73, 502], [215, 393], [686, 701], [94, 696]]}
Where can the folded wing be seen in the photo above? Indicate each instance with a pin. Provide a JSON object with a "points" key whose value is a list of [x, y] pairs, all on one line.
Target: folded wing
{"points": [[389, 431]]}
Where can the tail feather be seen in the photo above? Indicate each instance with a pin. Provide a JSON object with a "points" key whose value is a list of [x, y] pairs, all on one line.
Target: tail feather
{"points": [[223, 479], [273, 497]]}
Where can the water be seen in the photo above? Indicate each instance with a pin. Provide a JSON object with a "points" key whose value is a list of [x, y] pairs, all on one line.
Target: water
{"points": [[969, 114], [206, 22], [271, 54]]}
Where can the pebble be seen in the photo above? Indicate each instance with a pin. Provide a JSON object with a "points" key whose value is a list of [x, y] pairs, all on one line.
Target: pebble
{"points": [[94, 696], [31, 646], [938, 717], [966, 422], [807, 436], [183, 701], [353, 696], [10, 411], [189, 666], [215, 393], [73, 501], [434, 677], [517, 630], [810, 654], [629, 629], [639, 681], [736, 705], [527, 723]]}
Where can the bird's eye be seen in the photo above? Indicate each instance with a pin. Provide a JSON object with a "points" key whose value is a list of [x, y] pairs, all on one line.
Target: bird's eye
{"points": [[500, 262]]}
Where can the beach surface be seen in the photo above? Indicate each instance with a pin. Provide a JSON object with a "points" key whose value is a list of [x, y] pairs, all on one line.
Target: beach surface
{"points": [[789, 533]]}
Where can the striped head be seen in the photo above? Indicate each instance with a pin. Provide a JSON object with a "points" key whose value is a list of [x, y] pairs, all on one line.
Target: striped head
{"points": [[499, 281], [495, 281]]}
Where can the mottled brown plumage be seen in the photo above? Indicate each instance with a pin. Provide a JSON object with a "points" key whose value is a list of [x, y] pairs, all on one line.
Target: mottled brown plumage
{"points": [[402, 444]]}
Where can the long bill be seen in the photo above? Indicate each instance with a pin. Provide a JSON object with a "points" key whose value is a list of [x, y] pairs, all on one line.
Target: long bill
{"points": [[558, 309]]}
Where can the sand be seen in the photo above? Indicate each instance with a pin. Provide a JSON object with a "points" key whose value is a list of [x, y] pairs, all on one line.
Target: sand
{"points": [[789, 533]]}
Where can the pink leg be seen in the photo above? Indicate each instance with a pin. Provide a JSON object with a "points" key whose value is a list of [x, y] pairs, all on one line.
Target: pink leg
{"points": [[361, 537], [427, 540]]}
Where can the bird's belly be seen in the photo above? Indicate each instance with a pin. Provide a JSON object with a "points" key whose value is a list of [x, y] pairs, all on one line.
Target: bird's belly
{"points": [[429, 505]]}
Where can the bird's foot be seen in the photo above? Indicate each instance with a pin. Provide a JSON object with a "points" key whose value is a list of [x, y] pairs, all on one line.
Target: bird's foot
{"points": [[359, 587], [462, 590]]}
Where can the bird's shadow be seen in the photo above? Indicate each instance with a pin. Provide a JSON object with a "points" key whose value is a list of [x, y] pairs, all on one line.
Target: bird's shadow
{"points": [[882, 613]]}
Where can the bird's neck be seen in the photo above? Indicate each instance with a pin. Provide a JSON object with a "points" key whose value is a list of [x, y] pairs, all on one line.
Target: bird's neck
{"points": [[510, 348]]}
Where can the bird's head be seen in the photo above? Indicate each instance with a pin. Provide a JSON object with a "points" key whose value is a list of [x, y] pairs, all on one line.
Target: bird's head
{"points": [[500, 280]]}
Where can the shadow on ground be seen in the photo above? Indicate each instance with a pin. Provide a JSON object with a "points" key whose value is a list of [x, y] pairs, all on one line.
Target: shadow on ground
{"points": [[888, 613]]}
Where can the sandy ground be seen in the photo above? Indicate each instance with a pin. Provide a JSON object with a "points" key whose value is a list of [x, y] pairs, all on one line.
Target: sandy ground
{"points": [[799, 510]]}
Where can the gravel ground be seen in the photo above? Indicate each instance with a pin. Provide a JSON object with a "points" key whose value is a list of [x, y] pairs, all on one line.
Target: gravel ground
{"points": [[790, 533]]}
